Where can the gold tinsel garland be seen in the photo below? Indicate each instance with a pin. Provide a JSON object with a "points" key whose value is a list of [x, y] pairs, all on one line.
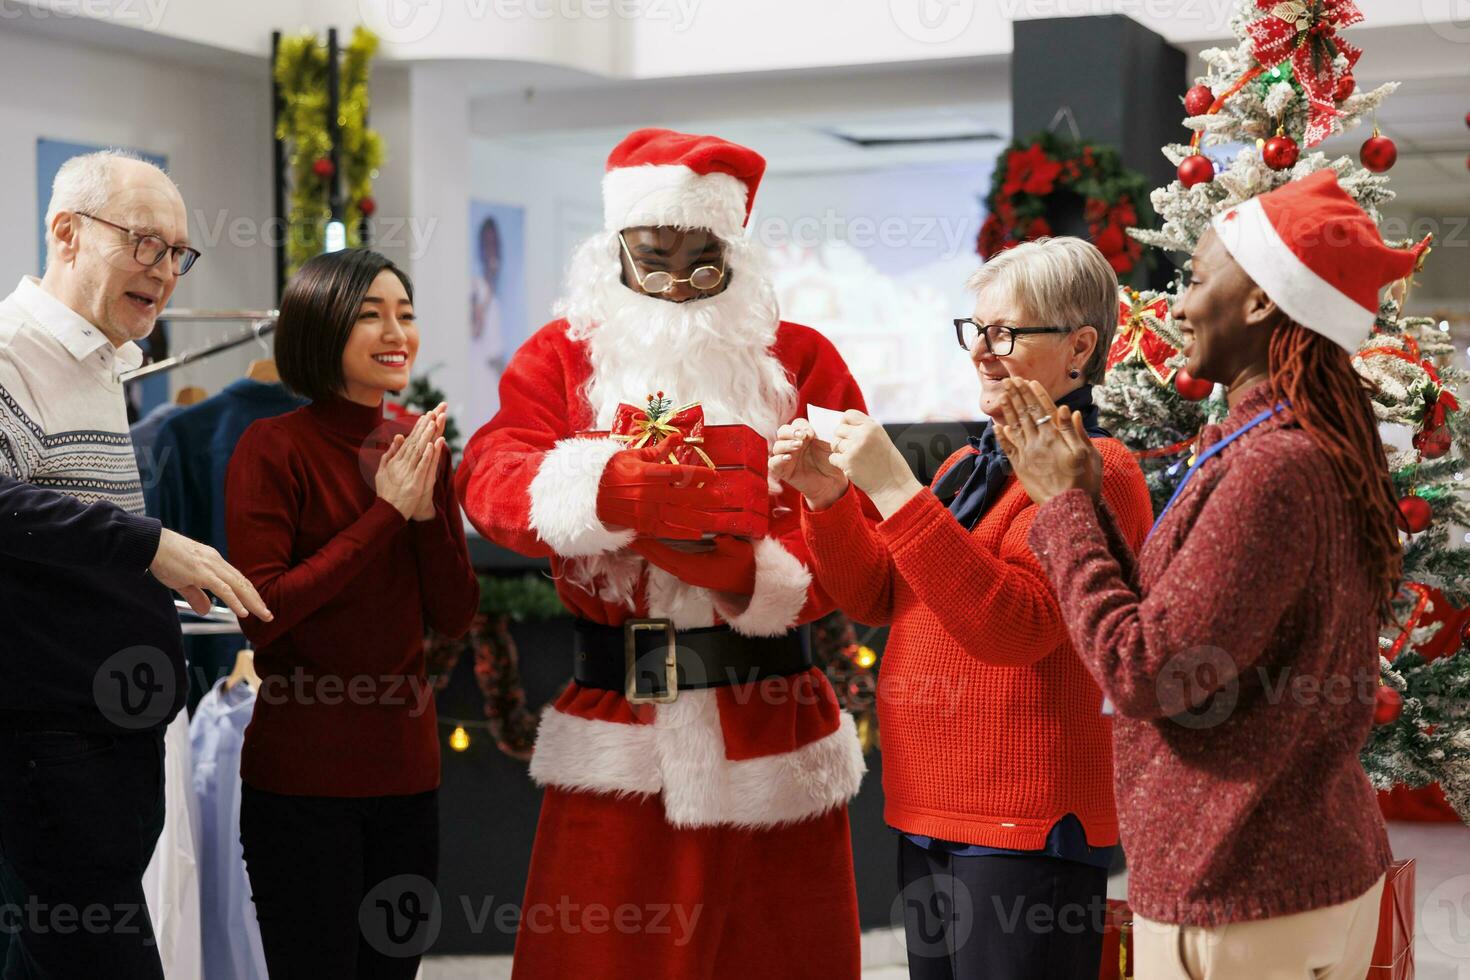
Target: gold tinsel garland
{"points": [[301, 72]]}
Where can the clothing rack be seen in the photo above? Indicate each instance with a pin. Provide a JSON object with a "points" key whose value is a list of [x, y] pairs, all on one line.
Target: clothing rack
{"points": [[219, 621], [262, 323]]}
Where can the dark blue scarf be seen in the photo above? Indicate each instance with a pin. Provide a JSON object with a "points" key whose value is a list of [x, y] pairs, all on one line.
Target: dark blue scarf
{"points": [[973, 484]]}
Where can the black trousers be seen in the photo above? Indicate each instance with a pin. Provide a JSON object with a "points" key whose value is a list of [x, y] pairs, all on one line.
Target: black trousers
{"points": [[343, 886], [80, 814], [1000, 917]]}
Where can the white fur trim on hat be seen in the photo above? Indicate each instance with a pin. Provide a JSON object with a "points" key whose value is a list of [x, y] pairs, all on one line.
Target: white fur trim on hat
{"points": [[656, 195], [1247, 233], [564, 499]]}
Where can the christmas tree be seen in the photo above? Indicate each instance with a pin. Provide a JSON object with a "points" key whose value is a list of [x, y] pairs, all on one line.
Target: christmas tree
{"points": [[1261, 111]]}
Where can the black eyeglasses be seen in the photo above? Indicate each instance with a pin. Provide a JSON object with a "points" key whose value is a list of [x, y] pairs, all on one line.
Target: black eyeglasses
{"points": [[149, 250], [1000, 340]]}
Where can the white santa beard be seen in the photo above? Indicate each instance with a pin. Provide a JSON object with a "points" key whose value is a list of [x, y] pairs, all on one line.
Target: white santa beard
{"points": [[716, 351]]}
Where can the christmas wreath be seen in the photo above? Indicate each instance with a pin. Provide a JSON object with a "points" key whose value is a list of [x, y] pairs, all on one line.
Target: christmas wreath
{"points": [[1030, 176]]}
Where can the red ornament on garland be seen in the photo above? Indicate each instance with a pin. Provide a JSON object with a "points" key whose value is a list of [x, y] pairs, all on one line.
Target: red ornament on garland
{"points": [[1433, 443], [1346, 86], [1388, 705], [1280, 152], [1465, 633], [1191, 388], [1196, 169], [1414, 514], [323, 167], [367, 206], [1197, 101], [1378, 153]]}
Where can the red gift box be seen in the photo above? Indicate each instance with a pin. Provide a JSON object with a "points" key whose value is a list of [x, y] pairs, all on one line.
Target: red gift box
{"points": [[1393, 956], [1117, 954], [736, 454]]}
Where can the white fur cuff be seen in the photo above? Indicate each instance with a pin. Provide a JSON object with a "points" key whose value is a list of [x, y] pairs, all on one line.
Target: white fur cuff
{"points": [[781, 584], [564, 499]]}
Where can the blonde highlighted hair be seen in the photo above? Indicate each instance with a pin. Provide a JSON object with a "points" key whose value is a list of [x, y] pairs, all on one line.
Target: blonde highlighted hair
{"points": [[1058, 282]]}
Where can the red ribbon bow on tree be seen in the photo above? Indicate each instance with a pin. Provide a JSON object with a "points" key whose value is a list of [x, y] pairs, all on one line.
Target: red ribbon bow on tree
{"points": [[640, 427], [1305, 33], [1441, 402], [1138, 336]]}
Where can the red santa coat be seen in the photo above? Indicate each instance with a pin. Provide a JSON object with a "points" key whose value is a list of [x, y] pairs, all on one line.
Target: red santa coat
{"points": [[760, 755]]}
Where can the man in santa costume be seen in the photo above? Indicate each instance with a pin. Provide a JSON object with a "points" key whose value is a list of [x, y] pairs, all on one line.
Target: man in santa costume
{"points": [[697, 829]]}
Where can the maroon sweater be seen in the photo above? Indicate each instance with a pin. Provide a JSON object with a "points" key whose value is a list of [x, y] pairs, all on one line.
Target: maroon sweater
{"points": [[344, 707], [1241, 652]]}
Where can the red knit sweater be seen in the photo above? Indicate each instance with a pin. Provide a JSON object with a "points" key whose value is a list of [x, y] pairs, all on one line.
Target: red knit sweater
{"points": [[1241, 650], [990, 727], [345, 708]]}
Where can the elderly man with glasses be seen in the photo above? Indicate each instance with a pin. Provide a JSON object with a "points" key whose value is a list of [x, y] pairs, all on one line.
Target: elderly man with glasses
{"points": [[91, 661]]}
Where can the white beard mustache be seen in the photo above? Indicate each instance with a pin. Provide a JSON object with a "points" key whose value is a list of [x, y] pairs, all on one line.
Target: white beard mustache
{"points": [[716, 351]]}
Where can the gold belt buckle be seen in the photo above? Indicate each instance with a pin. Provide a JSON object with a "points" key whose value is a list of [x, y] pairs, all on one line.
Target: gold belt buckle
{"points": [[630, 661]]}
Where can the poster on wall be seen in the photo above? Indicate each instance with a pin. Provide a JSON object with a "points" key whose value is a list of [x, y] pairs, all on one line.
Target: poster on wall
{"points": [[144, 395], [498, 322]]}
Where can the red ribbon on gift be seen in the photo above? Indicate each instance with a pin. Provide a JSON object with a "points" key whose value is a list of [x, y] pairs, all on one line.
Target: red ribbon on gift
{"points": [[1304, 32], [1138, 336], [640, 427]]}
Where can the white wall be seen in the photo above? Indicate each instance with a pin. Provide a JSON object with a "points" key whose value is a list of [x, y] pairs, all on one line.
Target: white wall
{"points": [[213, 128]]}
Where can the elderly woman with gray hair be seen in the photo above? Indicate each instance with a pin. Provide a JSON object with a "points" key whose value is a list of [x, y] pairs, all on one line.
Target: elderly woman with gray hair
{"points": [[996, 743]]}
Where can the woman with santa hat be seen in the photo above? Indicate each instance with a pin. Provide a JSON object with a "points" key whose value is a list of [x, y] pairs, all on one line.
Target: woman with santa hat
{"points": [[1240, 645]]}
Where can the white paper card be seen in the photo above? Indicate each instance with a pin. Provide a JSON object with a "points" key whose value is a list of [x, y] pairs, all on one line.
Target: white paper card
{"points": [[824, 422]]}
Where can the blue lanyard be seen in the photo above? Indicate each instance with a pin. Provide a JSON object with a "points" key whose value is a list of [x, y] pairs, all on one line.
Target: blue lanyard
{"points": [[1207, 454]]}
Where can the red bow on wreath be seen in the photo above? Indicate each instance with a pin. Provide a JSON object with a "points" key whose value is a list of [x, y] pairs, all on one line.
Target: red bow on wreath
{"points": [[640, 427], [1305, 32], [1138, 336]]}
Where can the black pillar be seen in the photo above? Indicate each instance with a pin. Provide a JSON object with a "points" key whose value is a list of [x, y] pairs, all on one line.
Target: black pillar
{"points": [[1122, 82]]}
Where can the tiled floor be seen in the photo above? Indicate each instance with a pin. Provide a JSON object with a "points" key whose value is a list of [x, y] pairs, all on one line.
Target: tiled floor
{"points": [[1441, 900]]}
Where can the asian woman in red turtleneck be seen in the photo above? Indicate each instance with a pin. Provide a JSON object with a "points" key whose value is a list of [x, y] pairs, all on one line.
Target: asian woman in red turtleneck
{"points": [[348, 522]]}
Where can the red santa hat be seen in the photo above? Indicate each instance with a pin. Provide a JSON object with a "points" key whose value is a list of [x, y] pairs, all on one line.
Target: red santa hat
{"points": [[1317, 254], [660, 177]]}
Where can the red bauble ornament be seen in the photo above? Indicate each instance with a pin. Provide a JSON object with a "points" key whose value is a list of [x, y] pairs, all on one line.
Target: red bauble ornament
{"points": [[1414, 513], [1196, 169], [1346, 86], [367, 206], [1378, 153], [1433, 443], [1388, 704], [323, 167], [1197, 101], [1467, 119], [1280, 152], [1465, 633], [1192, 388]]}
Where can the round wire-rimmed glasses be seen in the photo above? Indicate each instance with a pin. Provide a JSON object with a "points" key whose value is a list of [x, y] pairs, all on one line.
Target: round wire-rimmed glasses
{"points": [[704, 278]]}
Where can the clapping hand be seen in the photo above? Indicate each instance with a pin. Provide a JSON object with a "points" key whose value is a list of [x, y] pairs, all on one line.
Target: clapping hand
{"points": [[1048, 447], [409, 471]]}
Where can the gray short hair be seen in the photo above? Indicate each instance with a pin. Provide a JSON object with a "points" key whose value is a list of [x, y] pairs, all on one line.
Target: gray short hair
{"points": [[85, 183], [1059, 282]]}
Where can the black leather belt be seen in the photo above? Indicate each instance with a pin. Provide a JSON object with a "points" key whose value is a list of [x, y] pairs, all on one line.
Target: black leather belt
{"points": [[650, 661]]}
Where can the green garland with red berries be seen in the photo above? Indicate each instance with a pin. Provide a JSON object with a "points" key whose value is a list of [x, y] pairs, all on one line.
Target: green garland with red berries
{"points": [[1031, 173]]}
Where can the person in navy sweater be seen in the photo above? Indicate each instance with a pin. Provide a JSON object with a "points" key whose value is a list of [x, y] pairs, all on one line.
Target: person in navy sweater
{"points": [[347, 523]]}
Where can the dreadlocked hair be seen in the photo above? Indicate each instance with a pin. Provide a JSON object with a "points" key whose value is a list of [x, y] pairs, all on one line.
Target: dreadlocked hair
{"points": [[1333, 404]]}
